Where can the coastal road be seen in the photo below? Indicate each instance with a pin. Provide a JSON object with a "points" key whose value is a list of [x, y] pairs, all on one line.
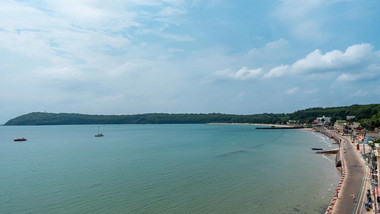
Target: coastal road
{"points": [[354, 181]]}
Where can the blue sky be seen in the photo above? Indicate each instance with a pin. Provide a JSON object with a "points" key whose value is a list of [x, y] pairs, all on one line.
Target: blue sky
{"points": [[177, 56]]}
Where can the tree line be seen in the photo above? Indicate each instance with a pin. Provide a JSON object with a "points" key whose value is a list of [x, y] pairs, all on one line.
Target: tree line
{"points": [[367, 115]]}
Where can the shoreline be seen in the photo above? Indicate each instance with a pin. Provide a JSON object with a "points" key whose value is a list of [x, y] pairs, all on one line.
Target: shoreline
{"points": [[255, 124], [262, 124], [341, 169], [351, 161]]}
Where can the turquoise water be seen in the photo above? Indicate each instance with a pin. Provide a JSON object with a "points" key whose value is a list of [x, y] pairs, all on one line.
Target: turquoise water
{"points": [[164, 169]]}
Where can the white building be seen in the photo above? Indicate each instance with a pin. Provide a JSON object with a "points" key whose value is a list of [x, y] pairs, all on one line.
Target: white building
{"points": [[323, 120]]}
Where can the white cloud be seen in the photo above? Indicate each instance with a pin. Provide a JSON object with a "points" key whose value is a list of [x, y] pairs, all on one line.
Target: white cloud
{"points": [[84, 26], [254, 61], [242, 74], [292, 90], [278, 71], [346, 77], [357, 62], [72, 39], [359, 93], [359, 77], [245, 73]]}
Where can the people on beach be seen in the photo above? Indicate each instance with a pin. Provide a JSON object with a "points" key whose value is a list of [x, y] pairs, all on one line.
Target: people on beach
{"points": [[353, 197]]}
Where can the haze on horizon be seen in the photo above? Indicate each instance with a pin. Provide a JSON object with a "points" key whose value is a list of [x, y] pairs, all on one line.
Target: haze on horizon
{"points": [[178, 56]]}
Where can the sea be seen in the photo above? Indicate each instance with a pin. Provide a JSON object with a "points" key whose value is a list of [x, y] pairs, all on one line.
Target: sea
{"points": [[159, 169]]}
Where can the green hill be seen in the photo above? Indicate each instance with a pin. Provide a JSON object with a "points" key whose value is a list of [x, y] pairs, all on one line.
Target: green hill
{"points": [[368, 115], [38, 118]]}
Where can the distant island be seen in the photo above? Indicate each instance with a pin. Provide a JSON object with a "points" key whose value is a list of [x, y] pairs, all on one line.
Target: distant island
{"points": [[367, 115]]}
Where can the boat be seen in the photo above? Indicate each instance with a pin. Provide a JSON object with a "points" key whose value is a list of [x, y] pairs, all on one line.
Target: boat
{"points": [[316, 149], [99, 134], [19, 139]]}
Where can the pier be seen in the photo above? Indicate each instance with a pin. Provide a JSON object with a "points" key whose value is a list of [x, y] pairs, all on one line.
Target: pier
{"points": [[338, 160], [331, 151]]}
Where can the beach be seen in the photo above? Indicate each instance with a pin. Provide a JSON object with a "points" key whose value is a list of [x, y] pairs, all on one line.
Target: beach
{"points": [[254, 124]]}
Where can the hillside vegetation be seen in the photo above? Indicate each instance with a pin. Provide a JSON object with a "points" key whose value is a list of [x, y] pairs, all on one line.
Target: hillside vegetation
{"points": [[367, 115]]}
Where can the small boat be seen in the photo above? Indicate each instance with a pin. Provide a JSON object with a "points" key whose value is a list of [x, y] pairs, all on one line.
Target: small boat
{"points": [[316, 149], [99, 134], [20, 139]]}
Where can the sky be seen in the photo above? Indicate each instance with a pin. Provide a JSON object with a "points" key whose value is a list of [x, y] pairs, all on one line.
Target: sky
{"points": [[187, 56]]}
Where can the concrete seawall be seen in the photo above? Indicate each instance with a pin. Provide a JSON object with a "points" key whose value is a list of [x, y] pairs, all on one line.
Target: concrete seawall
{"points": [[338, 159], [352, 180]]}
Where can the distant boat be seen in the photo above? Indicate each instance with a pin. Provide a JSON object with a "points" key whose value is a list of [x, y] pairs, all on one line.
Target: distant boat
{"points": [[20, 139], [316, 149], [99, 134]]}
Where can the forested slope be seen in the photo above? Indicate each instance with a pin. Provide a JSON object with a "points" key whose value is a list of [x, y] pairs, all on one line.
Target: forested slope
{"points": [[368, 115]]}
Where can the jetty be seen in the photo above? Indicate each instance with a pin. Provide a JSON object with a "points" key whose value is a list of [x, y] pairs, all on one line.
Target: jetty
{"points": [[338, 159], [330, 151]]}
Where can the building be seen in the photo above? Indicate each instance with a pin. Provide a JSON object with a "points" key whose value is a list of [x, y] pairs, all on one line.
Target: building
{"points": [[339, 125], [323, 120], [292, 122], [352, 127]]}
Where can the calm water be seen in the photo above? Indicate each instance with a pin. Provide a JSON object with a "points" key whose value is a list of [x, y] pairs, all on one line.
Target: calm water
{"points": [[164, 169]]}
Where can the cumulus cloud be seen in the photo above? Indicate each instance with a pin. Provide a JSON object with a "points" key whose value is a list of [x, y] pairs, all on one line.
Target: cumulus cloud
{"points": [[278, 71], [245, 73], [357, 62]]}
